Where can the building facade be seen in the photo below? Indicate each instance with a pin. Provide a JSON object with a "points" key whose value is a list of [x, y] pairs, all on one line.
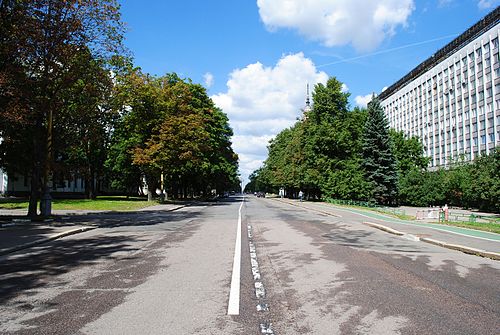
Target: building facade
{"points": [[451, 101]]}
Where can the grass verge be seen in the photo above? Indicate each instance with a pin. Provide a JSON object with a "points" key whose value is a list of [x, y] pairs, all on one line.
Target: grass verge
{"points": [[116, 203], [483, 226], [491, 227]]}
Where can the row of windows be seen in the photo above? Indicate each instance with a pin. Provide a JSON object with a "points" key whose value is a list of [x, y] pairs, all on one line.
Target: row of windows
{"points": [[450, 100]]}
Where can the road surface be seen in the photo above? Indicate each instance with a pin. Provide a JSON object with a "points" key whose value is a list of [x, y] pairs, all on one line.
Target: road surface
{"points": [[301, 272]]}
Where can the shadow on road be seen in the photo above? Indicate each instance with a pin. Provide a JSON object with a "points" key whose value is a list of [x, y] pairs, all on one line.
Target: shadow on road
{"points": [[28, 272], [31, 271]]}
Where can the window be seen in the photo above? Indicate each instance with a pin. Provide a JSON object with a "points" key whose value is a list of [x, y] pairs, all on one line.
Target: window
{"points": [[495, 43]]}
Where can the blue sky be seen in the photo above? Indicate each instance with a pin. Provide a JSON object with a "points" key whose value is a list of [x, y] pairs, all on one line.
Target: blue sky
{"points": [[255, 57]]}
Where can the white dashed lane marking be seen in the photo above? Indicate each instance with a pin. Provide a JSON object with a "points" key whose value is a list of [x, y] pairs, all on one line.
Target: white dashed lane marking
{"points": [[260, 292]]}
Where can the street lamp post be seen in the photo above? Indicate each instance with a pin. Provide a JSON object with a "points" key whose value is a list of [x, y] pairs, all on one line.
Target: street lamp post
{"points": [[46, 200]]}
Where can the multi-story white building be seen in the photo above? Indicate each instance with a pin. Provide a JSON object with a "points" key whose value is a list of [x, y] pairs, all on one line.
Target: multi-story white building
{"points": [[451, 101]]}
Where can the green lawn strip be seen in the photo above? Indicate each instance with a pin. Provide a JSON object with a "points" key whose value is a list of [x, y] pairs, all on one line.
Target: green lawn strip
{"points": [[481, 226], [99, 204]]}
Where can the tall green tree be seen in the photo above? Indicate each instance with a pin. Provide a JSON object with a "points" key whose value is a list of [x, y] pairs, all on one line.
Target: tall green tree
{"points": [[379, 161], [320, 154], [40, 41]]}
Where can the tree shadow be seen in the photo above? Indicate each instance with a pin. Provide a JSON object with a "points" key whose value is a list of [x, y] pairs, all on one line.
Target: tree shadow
{"points": [[32, 271], [20, 273]]}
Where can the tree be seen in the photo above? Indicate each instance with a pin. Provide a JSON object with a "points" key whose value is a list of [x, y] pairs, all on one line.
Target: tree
{"points": [[379, 161], [409, 152], [320, 154], [483, 189], [40, 42], [171, 131], [84, 124]]}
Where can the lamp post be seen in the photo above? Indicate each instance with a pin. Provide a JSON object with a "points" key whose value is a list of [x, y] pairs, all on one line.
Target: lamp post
{"points": [[46, 200]]}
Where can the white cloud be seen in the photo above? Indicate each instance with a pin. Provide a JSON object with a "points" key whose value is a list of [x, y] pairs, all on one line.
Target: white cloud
{"points": [[362, 101], [261, 101], [487, 4], [364, 24], [344, 88], [209, 79]]}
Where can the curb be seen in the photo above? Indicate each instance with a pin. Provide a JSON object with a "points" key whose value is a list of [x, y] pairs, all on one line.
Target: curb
{"points": [[468, 250], [384, 228], [45, 240], [472, 251]]}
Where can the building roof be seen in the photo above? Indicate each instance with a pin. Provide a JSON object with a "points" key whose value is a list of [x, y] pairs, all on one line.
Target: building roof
{"points": [[483, 25]]}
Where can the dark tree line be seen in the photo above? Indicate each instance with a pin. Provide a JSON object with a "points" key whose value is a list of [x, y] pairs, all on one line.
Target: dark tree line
{"points": [[334, 152], [72, 106]]}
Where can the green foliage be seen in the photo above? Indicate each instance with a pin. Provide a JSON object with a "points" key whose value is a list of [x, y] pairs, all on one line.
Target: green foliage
{"points": [[471, 185], [379, 161], [171, 128], [483, 189], [409, 152], [321, 154], [50, 50]]}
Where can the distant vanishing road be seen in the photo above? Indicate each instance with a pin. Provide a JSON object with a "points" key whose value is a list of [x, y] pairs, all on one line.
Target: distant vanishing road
{"points": [[300, 272]]}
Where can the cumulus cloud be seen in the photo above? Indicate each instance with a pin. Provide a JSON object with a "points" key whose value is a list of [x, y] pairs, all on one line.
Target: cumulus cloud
{"points": [[363, 100], [487, 4], [209, 79], [263, 100], [364, 24], [344, 88]]}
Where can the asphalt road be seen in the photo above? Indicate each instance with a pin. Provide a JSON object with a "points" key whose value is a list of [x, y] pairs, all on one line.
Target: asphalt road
{"points": [[302, 272]]}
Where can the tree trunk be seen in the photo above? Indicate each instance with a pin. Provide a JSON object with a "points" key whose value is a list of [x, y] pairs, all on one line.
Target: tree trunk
{"points": [[34, 194], [150, 194], [151, 185]]}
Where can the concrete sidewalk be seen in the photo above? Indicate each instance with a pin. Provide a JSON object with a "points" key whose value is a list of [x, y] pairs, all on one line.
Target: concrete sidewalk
{"points": [[17, 232], [470, 241]]}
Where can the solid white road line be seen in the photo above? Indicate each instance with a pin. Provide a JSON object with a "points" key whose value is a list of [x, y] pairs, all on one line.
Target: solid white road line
{"points": [[234, 295]]}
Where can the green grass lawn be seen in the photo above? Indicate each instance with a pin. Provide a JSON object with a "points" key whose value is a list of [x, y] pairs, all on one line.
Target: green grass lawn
{"points": [[484, 226], [101, 204], [492, 227]]}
